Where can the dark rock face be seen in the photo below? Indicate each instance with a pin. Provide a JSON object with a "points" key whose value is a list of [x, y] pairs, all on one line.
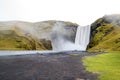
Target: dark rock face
{"points": [[94, 26], [104, 33], [46, 44]]}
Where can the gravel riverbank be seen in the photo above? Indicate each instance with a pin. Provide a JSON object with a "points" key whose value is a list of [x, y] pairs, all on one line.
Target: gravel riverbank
{"points": [[60, 66]]}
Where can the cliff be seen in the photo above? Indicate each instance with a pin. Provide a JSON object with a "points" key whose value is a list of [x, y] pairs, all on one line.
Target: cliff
{"points": [[19, 35], [105, 34]]}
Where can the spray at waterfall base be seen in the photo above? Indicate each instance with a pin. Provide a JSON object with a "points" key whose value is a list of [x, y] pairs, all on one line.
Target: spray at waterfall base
{"points": [[61, 43]]}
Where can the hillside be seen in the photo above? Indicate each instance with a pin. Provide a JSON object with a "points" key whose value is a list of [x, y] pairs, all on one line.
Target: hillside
{"points": [[19, 35], [105, 34], [45, 35]]}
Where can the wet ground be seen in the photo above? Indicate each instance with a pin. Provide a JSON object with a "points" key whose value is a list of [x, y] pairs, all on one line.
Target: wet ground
{"points": [[60, 66]]}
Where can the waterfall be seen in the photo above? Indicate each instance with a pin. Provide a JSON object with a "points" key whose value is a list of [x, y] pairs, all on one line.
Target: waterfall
{"points": [[82, 37], [59, 34], [59, 39]]}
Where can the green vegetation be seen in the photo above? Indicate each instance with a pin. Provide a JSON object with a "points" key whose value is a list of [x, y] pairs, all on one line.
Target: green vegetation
{"points": [[18, 35], [105, 34], [10, 40], [106, 65]]}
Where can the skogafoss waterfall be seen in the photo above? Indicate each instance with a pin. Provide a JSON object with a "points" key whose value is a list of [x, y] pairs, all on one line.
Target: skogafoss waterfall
{"points": [[59, 38], [61, 43], [82, 37]]}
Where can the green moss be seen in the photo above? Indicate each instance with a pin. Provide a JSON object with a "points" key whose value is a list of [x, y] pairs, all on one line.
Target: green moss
{"points": [[105, 36], [9, 40]]}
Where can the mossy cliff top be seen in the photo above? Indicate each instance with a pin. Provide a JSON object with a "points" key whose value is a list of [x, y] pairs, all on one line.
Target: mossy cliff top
{"points": [[105, 34]]}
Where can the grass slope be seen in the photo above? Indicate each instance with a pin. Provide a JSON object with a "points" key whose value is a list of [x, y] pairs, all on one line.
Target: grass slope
{"points": [[106, 65], [105, 34], [9, 40]]}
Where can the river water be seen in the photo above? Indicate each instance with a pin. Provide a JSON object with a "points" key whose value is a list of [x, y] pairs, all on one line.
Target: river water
{"points": [[10, 52]]}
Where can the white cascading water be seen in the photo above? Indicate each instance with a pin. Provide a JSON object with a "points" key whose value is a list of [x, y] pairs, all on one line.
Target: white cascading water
{"points": [[58, 38], [59, 43], [82, 37]]}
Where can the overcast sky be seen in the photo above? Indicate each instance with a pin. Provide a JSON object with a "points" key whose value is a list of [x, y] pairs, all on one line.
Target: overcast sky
{"points": [[83, 12]]}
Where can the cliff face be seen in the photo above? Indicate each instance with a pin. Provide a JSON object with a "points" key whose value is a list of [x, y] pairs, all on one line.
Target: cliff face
{"points": [[105, 34], [17, 35]]}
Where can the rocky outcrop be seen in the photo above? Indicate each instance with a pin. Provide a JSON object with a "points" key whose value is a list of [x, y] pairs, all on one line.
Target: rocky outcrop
{"points": [[105, 34]]}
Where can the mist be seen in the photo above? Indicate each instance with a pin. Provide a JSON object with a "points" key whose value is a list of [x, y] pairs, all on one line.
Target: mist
{"points": [[63, 37]]}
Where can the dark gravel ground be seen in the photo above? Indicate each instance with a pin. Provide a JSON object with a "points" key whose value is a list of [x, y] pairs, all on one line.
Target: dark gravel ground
{"points": [[61, 66]]}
